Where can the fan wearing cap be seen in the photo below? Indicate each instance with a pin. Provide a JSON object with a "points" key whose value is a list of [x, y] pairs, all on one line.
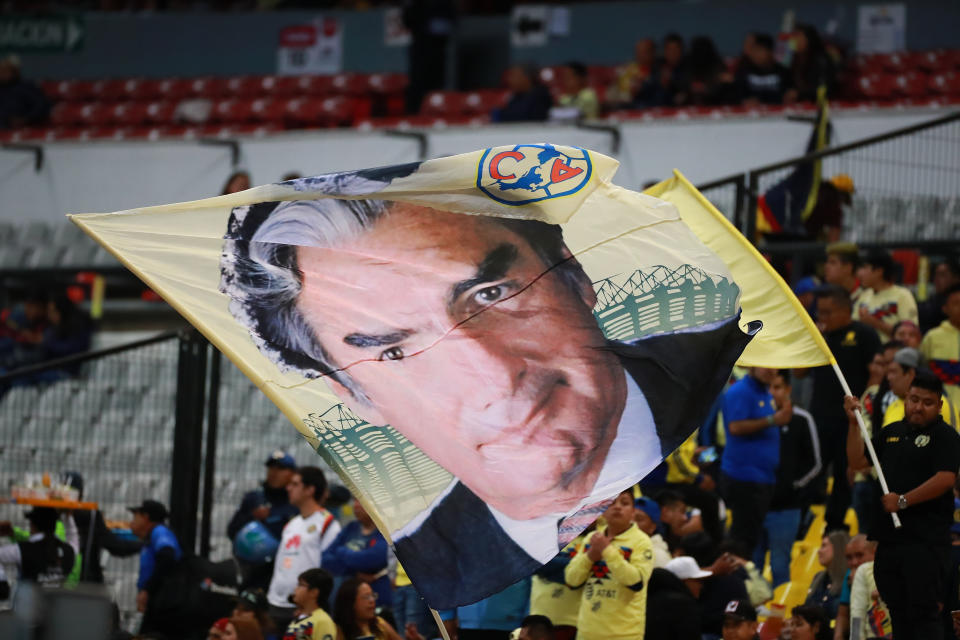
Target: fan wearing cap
{"points": [[900, 374], [270, 506], [884, 303], [159, 556], [673, 604], [614, 567], [252, 605], [739, 621], [42, 558], [647, 516]]}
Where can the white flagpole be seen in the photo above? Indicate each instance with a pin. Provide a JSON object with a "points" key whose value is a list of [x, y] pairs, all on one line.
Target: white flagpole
{"points": [[443, 629], [866, 439]]}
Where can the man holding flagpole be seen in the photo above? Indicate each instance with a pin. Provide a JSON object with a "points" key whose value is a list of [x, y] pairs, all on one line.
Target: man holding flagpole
{"points": [[920, 456]]}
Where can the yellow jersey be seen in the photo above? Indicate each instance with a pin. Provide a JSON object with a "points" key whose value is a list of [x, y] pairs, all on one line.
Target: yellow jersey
{"points": [[556, 600], [941, 348], [614, 602], [317, 626], [892, 305]]}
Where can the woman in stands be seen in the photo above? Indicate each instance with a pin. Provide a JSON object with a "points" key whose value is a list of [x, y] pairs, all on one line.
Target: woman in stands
{"points": [[238, 181], [355, 612], [241, 629], [827, 584]]}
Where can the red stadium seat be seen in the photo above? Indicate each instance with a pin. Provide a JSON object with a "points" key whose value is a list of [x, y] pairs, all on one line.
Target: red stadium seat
{"points": [[601, 75], [67, 113], [338, 111], [314, 85], [878, 86], [130, 113], [485, 100], [443, 103], [912, 84], [268, 109], [305, 111], [96, 114], [386, 83], [244, 86], [170, 88], [71, 90], [945, 83], [550, 76], [279, 85], [232, 110], [209, 87], [895, 62], [112, 89], [161, 112], [351, 84]]}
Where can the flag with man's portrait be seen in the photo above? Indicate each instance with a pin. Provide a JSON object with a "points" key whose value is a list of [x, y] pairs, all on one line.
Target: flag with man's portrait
{"points": [[486, 348]]}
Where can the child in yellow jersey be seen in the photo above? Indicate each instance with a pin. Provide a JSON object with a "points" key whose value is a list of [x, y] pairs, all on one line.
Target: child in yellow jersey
{"points": [[941, 347], [883, 304], [613, 566], [313, 587]]}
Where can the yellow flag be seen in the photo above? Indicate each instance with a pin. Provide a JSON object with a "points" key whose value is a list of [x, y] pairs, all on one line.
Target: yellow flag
{"points": [[789, 337]]}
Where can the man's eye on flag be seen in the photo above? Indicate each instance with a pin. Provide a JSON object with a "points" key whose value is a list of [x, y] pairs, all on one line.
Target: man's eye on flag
{"points": [[487, 348]]}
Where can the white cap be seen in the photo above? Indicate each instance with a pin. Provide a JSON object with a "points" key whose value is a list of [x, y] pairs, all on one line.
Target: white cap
{"points": [[686, 568]]}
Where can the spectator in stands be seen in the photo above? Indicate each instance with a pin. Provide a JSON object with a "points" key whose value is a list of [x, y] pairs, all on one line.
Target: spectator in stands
{"points": [[577, 94], [854, 345], [355, 612], [746, 50], [431, 24], [550, 596], [42, 558], [941, 346], [739, 621], [494, 617], [675, 519], [907, 332], [799, 466], [946, 275], [661, 86], [216, 629], [409, 609], [806, 292], [752, 425], [760, 79], [900, 376], [672, 609], [269, 505], [919, 456], [615, 564], [647, 516], [536, 627], [103, 538], [826, 586], [22, 103], [705, 79], [808, 623], [361, 551], [858, 551], [869, 615], [238, 181], [632, 76], [303, 541], [843, 260], [884, 303], [158, 559], [68, 331], [241, 629], [313, 590], [811, 67], [825, 222], [758, 589], [252, 605], [23, 324], [529, 100]]}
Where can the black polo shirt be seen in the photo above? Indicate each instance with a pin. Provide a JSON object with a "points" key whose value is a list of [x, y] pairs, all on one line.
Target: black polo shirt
{"points": [[909, 456], [854, 347]]}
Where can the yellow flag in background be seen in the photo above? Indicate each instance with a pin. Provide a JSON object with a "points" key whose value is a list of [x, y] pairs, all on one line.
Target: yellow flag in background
{"points": [[789, 337]]}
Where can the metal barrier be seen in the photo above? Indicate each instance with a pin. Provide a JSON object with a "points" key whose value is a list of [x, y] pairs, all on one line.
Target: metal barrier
{"points": [[907, 184]]}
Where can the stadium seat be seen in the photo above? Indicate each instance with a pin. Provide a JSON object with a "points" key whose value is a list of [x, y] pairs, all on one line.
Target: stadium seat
{"points": [[350, 84], [130, 113], [911, 84], [601, 75], [209, 87], [878, 86], [244, 86], [114, 89], [278, 86], [169, 88], [945, 83], [314, 85], [71, 90], [387, 83], [161, 112], [268, 110], [484, 101], [443, 103], [233, 110], [67, 113]]}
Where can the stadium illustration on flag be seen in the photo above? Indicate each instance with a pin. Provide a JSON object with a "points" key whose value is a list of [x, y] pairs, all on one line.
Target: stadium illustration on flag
{"points": [[486, 348]]}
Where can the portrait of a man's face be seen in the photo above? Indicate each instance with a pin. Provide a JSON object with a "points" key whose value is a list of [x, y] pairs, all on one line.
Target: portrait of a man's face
{"points": [[472, 336]]}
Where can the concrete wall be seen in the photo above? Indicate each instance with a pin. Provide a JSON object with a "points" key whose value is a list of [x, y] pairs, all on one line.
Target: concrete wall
{"points": [[111, 176]]}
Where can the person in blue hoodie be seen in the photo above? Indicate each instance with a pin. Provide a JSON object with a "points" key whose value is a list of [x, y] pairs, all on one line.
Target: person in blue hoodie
{"points": [[360, 551]]}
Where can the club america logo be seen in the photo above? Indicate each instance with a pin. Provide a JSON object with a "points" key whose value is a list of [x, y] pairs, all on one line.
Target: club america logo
{"points": [[532, 172]]}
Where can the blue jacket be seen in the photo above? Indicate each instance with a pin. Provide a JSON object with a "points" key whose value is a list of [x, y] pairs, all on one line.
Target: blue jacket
{"points": [[354, 552]]}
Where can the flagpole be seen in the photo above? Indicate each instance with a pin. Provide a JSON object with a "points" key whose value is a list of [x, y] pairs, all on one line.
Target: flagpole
{"points": [[436, 618], [866, 439]]}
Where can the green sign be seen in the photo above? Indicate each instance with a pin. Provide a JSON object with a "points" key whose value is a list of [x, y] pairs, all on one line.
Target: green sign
{"points": [[48, 33]]}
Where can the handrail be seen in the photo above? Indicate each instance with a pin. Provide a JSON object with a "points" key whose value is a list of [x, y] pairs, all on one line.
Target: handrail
{"points": [[80, 358]]}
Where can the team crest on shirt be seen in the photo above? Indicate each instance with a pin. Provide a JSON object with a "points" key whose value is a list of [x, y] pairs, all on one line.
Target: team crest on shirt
{"points": [[311, 528], [850, 340], [529, 173], [922, 440]]}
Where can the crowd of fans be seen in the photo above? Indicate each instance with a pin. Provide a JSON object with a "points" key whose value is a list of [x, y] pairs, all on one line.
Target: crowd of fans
{"points": [[682, 555]]}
